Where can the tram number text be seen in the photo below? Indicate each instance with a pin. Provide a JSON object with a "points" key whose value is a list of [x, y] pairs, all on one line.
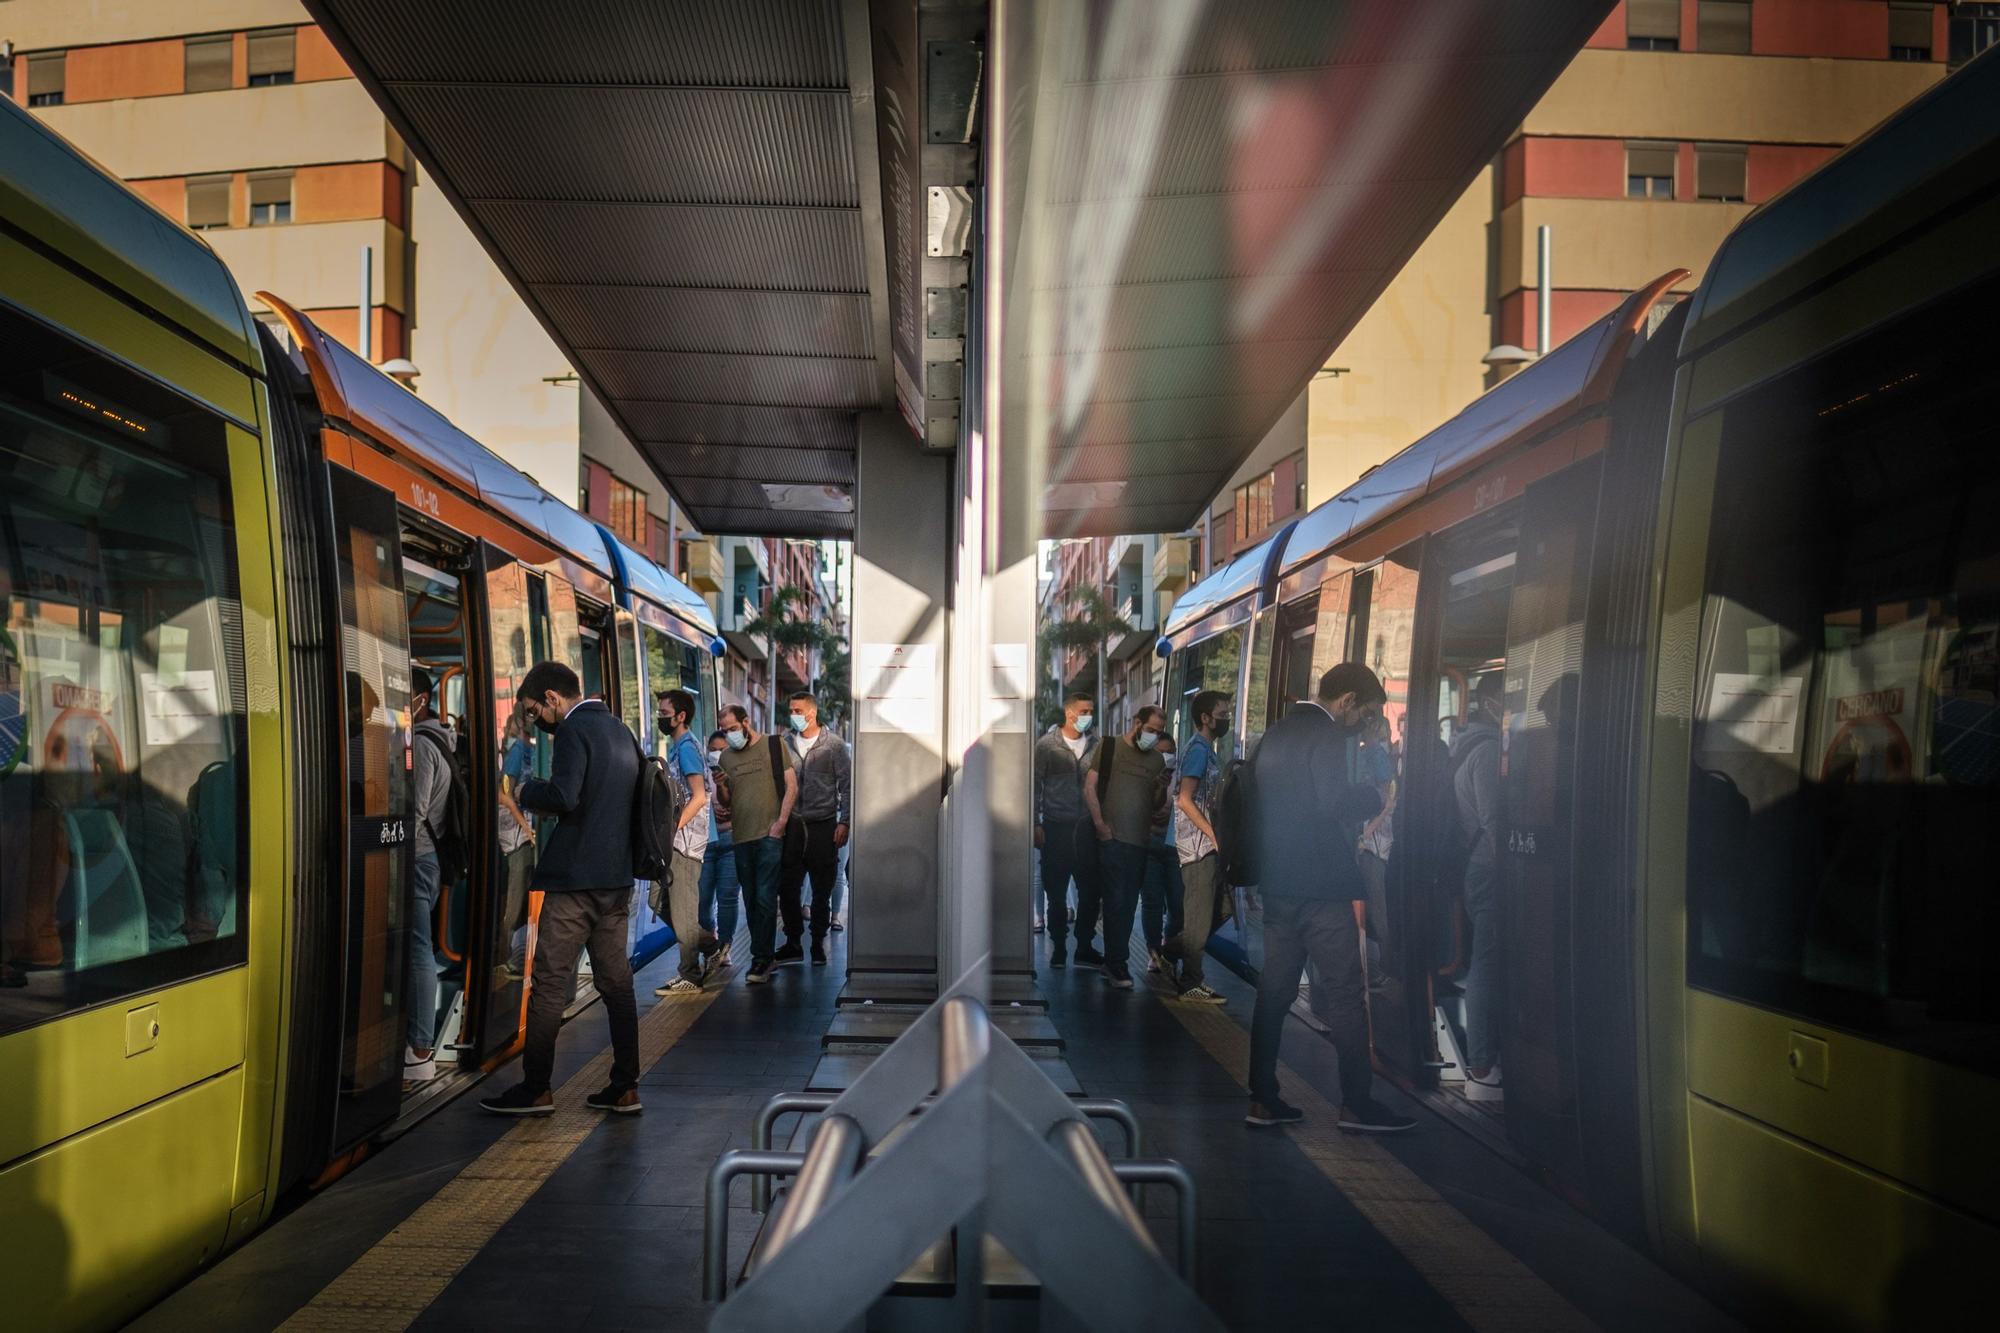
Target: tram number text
{"points": [[1521, 844], [424, 498], [392, 833]]}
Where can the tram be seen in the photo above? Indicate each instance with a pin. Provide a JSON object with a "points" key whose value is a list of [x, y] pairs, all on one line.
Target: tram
{"points": [[224, 547], [1734, 563]]}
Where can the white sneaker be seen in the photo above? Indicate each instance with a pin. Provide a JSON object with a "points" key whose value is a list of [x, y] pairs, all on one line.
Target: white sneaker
{"points": [[677, 988], [417, 1071], [1487, 1089]]}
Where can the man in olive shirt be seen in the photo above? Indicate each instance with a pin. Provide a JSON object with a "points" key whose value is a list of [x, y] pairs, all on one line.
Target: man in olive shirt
{"points": [[763, 787], [1119, 794]]}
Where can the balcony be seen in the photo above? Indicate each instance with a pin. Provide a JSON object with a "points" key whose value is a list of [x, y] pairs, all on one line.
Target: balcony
{"points": [[1171, 564], [704, 567], [1121, 647]]}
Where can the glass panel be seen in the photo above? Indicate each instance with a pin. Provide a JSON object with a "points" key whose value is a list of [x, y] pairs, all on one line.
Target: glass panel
{"points": [[1381, 632], [375, 660], [516, 750], [1844, 812], [271, 56], [121, 680], [565, 634], [633, 706]]}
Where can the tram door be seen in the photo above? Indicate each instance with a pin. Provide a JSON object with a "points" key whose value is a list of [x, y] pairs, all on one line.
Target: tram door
{"points": [[516, 637], [1543, 691], [375, 652]]}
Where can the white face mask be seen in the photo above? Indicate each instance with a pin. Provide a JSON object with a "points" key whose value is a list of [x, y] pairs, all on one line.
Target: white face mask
{"points": [[1147, 740], [737, 739]]}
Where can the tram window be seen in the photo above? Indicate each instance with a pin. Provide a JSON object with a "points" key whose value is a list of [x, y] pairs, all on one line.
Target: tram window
{"points": [[673, 665], [1210, 665], [121, 688], [1334, 625], [1844, 816]]}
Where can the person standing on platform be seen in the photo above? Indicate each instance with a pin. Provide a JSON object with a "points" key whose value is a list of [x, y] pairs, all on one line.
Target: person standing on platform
{"points": [[585, 877], [431, 747], [1063, 833], [1160, 896], [1308, 809], [720, 894], [763, 788], [687, 767], [517, 838], [1119, 795], [1194, 836], [1475, 766], [818, 827]]}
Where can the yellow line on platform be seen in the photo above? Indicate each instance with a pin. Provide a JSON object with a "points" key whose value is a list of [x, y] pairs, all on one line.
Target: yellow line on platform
{"points": [[1489, 1288], [392, 1284]]}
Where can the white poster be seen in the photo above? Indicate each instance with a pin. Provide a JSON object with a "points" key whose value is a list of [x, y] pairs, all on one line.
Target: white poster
{"points": [[177, 707], [1748, 712], [896, 687], [1007, 692]]}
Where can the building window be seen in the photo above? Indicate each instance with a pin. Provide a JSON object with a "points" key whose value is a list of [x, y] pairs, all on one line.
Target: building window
{"points": [[1910, 31], [1653, 25], [1723, 25], [1253, 506], [207, 202], [628, 513], [1649, 170], [208, 63], [1972, 29], [1719, 172], [271, 57], [46, 71], [270, 198]]}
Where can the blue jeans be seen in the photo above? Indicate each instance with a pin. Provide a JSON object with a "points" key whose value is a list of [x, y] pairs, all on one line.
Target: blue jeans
{"points": [[1124, 875], [1160, 894], [720, 894], [420, 975], [758, 861], [1486, 978]]}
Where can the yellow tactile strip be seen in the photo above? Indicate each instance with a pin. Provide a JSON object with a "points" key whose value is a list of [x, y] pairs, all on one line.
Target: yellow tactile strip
{"points": [[1489, 1288], [392, 1284]]}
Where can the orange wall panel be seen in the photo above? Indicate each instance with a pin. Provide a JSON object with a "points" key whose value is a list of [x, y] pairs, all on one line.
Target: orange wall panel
{"points": [[315, 57], [340, 193], [1853, 28], [239, 61], [1574, 168], [21, 80], [1611, 33], [127, 69], [1769, 168], [392, 196], [166, 193]]}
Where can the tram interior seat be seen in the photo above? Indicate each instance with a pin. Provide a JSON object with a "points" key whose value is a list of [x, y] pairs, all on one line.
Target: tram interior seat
{"points": [[104, 885]]}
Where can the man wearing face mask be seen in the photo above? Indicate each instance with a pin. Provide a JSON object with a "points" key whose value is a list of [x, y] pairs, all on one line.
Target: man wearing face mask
{"points": [[818, 826], [1201, 867], [763, 788], [1063, 833], [1309, 806], [1119, 795], [687, 767], [585, 876]]}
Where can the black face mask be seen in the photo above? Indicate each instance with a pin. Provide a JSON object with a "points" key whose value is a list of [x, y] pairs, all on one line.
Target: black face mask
{"points": [[546, 728]]}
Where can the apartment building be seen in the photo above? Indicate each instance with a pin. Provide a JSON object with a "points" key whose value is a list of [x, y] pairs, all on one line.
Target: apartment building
{"points": [[239, 119], [1677, 119]]}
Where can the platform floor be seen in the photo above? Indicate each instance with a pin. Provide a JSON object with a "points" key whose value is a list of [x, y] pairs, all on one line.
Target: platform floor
{"points": [[582, 1221]]}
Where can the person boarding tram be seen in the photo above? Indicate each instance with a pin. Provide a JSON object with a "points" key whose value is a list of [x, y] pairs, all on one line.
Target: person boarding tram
{"points": [[687, 768], [1198, 776], [721, 895], [431, 746]]}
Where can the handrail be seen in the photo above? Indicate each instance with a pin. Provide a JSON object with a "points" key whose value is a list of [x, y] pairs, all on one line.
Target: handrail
{"points": [[1075, 1140], [830, 1162], [1167, 1171], [760, 1164], [963, 1038], [764, 1124]]}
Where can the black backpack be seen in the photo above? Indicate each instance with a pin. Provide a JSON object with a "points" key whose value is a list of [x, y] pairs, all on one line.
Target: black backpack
{"points": [[1233, 816], [656, 815], [452, 837]]}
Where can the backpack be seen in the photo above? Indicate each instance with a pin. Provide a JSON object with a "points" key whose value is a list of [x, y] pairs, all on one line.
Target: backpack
{"points": [[452, 837], [656, 816], [1235, 833]]}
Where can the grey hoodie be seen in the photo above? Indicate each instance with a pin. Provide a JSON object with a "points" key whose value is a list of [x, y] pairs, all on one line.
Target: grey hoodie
{"points": [[431, 774], [1475, 762]]}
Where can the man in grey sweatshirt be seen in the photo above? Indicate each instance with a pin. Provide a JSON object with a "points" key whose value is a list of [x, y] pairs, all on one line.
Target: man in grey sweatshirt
{"points": [[430, 773]]}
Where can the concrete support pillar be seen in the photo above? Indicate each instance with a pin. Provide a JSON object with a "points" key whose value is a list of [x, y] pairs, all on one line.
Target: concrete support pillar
{"points": [[902, 569]]}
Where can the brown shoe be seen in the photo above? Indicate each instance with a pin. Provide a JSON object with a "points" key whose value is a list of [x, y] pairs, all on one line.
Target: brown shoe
{"points": [[615, 1100]]}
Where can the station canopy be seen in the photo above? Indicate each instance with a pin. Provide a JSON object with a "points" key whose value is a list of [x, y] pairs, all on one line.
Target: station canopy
{"points": [[1219, 190]]}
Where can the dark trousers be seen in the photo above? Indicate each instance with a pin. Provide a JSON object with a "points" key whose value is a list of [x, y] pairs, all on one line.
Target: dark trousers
{"points": [[1124, 875], [757, 865], [809, 850], [1160, 895], [1069, 851], [1323, 930], [599, 919]]}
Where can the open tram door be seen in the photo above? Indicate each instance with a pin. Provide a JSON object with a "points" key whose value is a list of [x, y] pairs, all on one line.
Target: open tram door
{"points": [[515, 633], [378, 838]]}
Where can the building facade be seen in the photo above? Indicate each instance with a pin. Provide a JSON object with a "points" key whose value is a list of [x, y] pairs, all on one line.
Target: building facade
{"points": [[239, 119]]}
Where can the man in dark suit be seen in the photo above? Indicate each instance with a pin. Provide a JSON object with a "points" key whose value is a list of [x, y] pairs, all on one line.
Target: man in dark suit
{"points": [[1309, 803], [585, 876]]}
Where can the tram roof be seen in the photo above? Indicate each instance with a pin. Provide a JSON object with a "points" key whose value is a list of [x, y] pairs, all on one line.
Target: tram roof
{"points": [[57, 195], [692, 200], [639, 573], [1912, 170], [1570, 381]]}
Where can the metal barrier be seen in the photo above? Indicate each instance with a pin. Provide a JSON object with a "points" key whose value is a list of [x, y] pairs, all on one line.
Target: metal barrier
{"points": [[830, 1162]]}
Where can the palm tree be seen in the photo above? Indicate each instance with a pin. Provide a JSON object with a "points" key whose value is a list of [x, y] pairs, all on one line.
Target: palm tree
{"points": [[1091, 623], [776, 627]]}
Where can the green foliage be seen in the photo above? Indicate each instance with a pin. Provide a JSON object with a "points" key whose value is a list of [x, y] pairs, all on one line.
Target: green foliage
{"points": [[1090, 624], [832, 687], [775, 625]]}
